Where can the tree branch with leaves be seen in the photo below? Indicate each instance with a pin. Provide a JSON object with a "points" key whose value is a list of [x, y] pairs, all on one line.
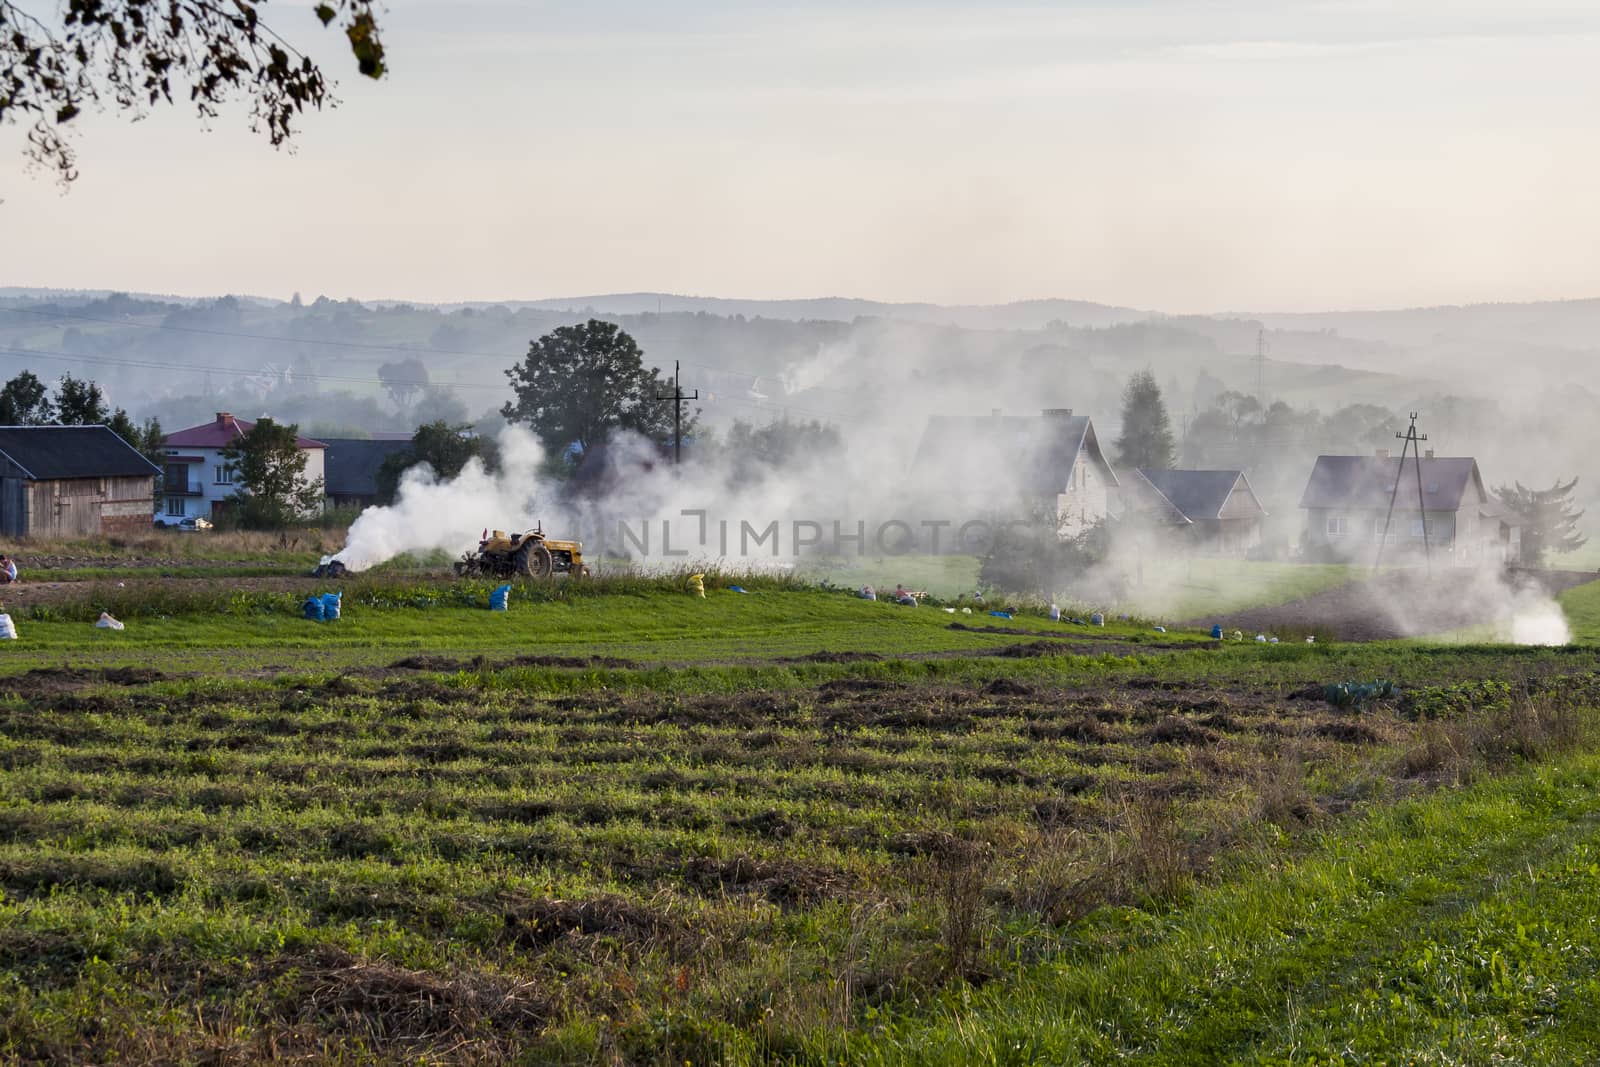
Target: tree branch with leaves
{"points": [[135, 55]]}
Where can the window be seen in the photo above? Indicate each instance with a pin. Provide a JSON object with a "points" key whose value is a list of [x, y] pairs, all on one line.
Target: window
{"points": [[175, 506], [1416, 529], [1338, 525], [224, 474]]}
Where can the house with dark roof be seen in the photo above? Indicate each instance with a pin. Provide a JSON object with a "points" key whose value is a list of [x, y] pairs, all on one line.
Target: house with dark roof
{"points": [[968, 466], [198, 482], [1347, 503], [73, 481], [352, 466], [1210, 512]]}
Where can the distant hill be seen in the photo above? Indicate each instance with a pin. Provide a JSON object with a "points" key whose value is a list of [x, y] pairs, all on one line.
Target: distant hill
{"points": [[1022, 315], [1551, 323]]}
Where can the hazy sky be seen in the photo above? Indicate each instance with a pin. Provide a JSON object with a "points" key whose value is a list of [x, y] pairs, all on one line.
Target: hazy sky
{"points": [[1175, 155]]}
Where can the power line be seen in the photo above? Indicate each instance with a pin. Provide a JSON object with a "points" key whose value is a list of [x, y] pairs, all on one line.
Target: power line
{"points": [[152, 364], [361, 345]]}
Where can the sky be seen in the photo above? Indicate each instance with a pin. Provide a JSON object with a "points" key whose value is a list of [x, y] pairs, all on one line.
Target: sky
{"points": [[1179, 156]]}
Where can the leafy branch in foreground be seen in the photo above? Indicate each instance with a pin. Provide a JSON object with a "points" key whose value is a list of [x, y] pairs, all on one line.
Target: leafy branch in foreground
{"points": [[136, 53]]}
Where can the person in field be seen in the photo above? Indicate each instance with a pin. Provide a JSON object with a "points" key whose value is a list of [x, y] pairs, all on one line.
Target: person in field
{"points": [[8, 569]]}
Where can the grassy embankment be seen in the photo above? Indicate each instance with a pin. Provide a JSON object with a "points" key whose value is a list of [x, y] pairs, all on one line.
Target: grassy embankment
{"points": [[711, 832]]}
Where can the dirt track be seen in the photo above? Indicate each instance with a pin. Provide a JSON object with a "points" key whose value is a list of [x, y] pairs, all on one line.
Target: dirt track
{"points": [[1399, 604]]}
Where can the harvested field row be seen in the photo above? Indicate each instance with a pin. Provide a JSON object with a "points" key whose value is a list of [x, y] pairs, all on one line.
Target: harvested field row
{"points": [[312, 853]]}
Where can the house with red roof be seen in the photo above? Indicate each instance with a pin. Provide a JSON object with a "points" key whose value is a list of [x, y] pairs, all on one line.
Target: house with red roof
{"points": [[197, 481]]}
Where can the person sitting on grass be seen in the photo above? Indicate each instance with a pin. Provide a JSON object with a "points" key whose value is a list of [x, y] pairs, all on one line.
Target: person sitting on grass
{"points": [[8, 570], [902, 595]]}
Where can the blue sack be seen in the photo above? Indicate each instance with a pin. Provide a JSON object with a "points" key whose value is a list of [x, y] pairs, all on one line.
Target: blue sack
{"points": [[500, 598], [330, 606], [313, 608]]}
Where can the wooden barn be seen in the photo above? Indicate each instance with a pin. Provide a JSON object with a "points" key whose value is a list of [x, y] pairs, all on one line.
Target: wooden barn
{"points": [[73, 481]]}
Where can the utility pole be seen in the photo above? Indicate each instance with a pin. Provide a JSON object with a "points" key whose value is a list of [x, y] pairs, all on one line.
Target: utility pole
{"points": [[1413, 441], [1261, 367], [678, 397]]}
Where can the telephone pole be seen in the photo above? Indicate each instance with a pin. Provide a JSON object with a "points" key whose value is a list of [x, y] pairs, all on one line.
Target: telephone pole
{"points": [[1413, 441], [1261, 367], [678, 397]]}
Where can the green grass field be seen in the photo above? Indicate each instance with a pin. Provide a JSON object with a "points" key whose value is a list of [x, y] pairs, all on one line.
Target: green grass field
{"points": [[621, 824]]}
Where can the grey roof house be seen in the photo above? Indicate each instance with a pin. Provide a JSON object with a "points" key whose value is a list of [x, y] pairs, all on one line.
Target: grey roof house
{"points": [[350, 467], [1213, 512], [1346, 501], [73, 481], [968, 465]]}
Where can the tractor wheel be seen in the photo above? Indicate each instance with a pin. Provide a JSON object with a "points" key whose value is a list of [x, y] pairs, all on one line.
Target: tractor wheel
{"points": [[534, 561]]}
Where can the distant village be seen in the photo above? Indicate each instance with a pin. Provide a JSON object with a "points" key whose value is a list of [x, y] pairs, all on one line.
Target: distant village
{"points": [[76, 481]]}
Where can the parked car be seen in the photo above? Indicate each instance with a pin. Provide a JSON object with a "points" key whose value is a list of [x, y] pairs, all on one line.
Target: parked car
{"points": [[186, 524]]}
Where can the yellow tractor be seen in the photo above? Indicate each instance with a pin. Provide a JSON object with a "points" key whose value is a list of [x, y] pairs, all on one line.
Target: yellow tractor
{"points": [[530, 555]]}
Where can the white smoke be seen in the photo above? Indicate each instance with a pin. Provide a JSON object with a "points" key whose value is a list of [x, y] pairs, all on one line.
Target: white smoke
{"points": [[430, 514], [1481, 602], [1536, 620]]}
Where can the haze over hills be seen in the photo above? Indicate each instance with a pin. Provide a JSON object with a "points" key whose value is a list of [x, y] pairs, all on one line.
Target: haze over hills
{"points": [[1514, 384], [1021, 315]]}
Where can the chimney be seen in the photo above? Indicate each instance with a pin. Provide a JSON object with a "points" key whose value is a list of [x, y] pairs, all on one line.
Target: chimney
{"points": [[1383, 453], [1058, 413], [1428, 454], [224, 417]]}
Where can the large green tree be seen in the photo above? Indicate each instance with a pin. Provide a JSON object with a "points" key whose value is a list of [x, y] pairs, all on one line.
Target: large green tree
{"points": [[269, 469], [579, 384], [58, 59], [1550, 522], [445, 447], [25, 401], [80, 402], [1146, 439]]}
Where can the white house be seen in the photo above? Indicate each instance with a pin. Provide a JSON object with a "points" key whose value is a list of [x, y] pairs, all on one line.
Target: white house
{"points": [[1016, 465], [197, 480]]}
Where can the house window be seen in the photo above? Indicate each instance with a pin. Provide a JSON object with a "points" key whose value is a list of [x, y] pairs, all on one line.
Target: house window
{"points": [[224, 474], [1416, 529], [175, 506], [1338, 525]]}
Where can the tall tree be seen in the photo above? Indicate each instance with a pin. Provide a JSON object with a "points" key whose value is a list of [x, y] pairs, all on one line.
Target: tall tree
{"points": [[148, 438], [403, 379], [444, 447], [134, 54], [1550, 523], [25, 401], [80, 402], [269, 468], [1146, 439], [579, 384]]}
